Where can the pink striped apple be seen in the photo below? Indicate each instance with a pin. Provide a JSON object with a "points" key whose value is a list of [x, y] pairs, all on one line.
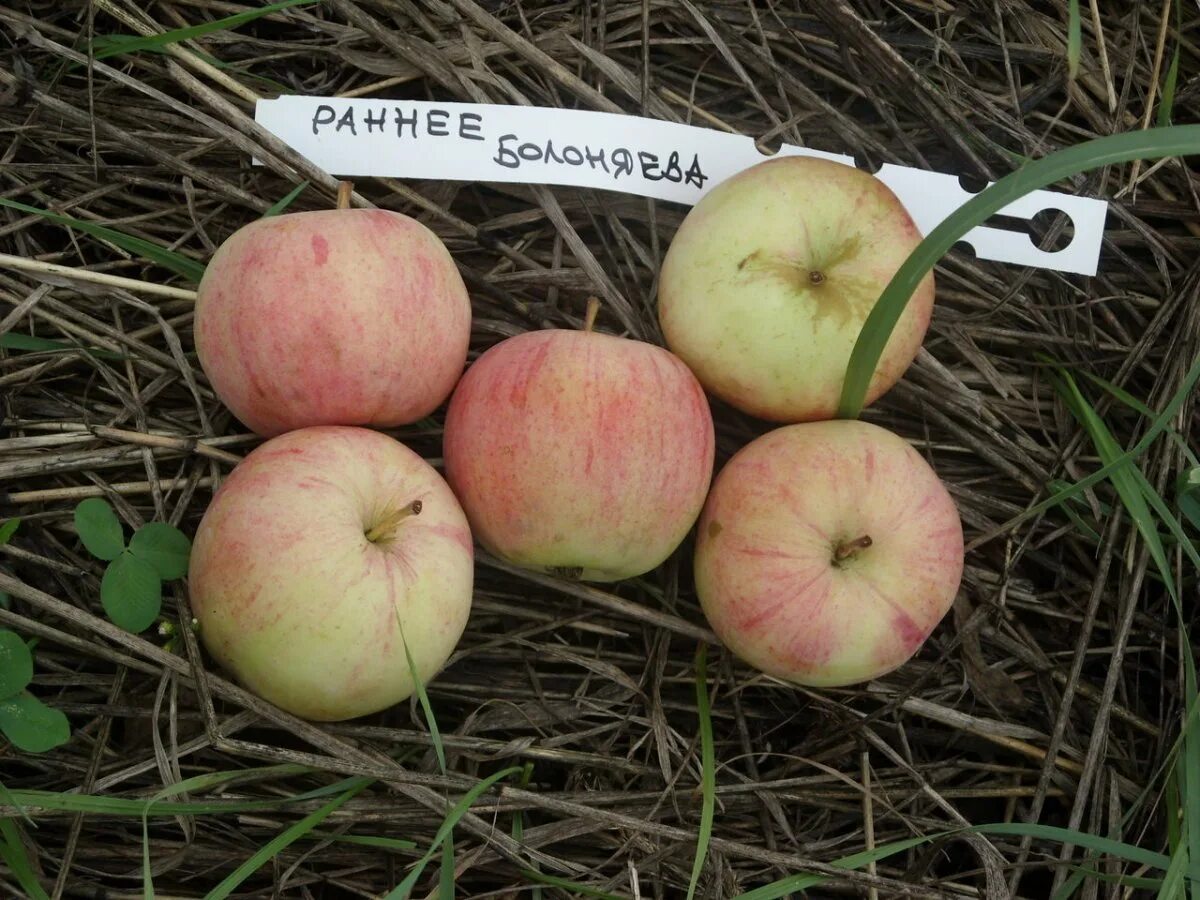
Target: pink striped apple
{"points": [[334, 317], [326, 551], [768, 281], [580, 453], [827, 552]]}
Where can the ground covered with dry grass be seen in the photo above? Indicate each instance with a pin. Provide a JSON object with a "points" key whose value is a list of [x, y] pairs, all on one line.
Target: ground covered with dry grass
{"points": [[1052, 694]]}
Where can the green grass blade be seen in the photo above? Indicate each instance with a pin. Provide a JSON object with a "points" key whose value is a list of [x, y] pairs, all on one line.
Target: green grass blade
{"points": [[794, 883], [168, 259], [1127, 486], [12, 340], [122, 806], [1156, 428], [426, 707], [1166, 106], [1191, 763], [131, 43], [404, 888], [1174, 791], [280, 205], [284, 839], [1080, 874], [1068, 508], [708, 769], [518, 825], [446, 879], [1134, 403], [570, 887], [106, 45], [1172, 882], [7, 798], [1151, 143], [436, 736], [364, 840], [1104, 846], [198, 783], [1138, 495], [12, 852], [1074, 39]]}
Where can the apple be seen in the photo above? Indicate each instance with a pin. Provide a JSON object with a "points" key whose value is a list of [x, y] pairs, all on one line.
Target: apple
{"points": [[827, 552], [579, 453], [766, 285], [332, 317], [325, 552]]}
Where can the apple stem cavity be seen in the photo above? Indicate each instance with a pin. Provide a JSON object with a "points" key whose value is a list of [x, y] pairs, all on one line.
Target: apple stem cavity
{"points": [[849, 549], [593, 310], [385, 529], [345, 189]]}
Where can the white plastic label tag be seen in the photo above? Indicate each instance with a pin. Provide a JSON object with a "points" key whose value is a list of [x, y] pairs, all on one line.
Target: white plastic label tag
{"points": [[634, 155]]}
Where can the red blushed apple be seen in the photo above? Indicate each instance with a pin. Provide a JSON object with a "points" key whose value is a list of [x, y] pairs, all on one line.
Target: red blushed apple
{"points": [[334, 317], [827, 552], [326, 551], [580, 453], [767, 283]]}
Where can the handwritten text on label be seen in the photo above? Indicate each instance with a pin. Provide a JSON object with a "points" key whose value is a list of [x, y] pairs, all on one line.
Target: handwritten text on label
{"points": [[510, 151]]}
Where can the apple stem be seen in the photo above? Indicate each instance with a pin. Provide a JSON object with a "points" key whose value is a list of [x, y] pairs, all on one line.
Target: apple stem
{"points": [[847, 549], [593, 310], [345, 189], [385, 529]]}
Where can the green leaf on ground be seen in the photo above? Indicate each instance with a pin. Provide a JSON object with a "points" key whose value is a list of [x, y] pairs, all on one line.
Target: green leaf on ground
{"points": [[99, 529], [16, 664], [31, 725], [131, 593], [164, 546]]}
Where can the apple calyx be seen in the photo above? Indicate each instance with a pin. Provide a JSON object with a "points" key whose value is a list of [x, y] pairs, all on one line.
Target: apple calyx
{"points": [[849, 549], [816, 276], [385, 529]]}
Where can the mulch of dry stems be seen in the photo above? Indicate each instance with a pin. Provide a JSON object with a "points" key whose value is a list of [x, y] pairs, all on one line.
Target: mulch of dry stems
{"points": [[1050, 695]]}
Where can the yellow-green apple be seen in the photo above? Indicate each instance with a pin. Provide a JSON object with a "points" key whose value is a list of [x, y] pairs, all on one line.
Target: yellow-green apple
{"points": [[332, 317], [768, 281], [324, 553], [581, 453], [827, 552]]}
